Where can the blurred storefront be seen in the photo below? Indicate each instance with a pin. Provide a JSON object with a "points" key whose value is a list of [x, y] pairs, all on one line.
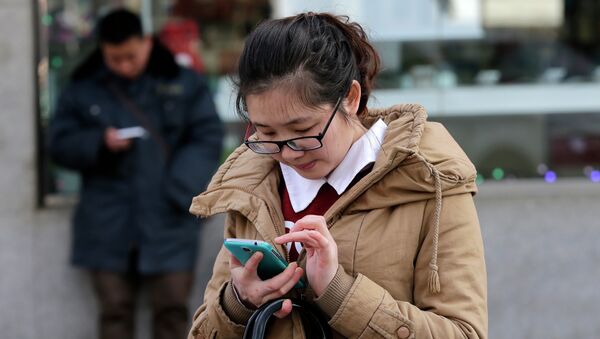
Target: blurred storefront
{"points": [[516, 82]]}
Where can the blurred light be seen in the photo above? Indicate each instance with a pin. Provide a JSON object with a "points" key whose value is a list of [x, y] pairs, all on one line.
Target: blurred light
{"points": [[595, 176], [550, 177], [47, 20], [57, 62], [587, 171], [479, 180], [519, 13], [542, 169], [498, 173]]}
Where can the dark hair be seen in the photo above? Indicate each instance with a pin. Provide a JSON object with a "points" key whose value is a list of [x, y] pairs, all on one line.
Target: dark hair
{"points": [[316, 54], [119, 26]]}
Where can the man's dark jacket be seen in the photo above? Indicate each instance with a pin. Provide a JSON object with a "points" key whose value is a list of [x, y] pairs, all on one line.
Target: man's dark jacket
{"points": [[137, 199]]}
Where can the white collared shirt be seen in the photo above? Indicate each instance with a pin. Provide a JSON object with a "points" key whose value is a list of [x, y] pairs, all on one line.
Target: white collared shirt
{"points": [[303, 191]]}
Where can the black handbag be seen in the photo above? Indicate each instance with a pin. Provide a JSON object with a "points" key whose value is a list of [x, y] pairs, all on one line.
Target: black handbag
{"points": [[313, 320]]}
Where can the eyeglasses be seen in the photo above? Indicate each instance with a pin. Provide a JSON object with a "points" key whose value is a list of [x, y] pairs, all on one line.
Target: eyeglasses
{"points": [[296, 144]]}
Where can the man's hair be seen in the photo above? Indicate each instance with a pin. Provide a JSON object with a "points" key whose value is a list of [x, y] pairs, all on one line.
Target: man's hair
{"points": [[119, 26]]}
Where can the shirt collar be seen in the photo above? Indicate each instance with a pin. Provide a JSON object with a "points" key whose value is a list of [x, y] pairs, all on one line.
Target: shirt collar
{"points": [[303, 191]]}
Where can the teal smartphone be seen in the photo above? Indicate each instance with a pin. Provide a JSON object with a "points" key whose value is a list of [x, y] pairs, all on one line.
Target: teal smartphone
{"points": [[270, 265]]}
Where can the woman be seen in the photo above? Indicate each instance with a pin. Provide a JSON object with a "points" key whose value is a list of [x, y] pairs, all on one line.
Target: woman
{"points": [[373, 207]]}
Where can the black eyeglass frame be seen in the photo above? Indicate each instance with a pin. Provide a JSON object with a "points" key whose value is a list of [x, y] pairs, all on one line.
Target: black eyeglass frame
{"points": [[290, 142]]}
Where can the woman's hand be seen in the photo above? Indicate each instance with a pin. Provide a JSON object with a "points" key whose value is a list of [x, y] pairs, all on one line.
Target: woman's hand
{"points": [[321, 250], [254, 292]]}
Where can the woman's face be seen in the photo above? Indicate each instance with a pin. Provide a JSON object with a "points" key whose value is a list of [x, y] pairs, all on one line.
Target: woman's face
{"points": [[278, 116]]}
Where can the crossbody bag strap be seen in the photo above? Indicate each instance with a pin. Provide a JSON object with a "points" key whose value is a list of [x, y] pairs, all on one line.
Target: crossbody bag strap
{"points": [[140, 117]]}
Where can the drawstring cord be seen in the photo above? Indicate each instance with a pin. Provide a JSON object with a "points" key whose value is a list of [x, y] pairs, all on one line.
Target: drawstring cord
{"points": [[434, 277]]}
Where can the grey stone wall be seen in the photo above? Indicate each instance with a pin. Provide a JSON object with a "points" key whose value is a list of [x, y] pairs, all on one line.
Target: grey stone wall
{"points": [[542, 253], [17, 164]]}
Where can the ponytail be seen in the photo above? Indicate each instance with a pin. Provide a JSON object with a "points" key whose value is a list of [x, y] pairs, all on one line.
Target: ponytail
{"points": [[367, 59]]}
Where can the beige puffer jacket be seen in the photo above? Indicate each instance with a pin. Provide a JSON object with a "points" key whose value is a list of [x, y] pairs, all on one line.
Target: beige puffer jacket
{"points": [[409, 243]]}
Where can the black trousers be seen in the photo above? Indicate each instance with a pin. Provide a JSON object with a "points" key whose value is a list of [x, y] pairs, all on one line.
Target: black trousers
{"points": [[168, 294]]}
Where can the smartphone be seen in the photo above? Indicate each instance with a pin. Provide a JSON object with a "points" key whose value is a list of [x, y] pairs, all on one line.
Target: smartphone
{"points": [[131, 132], [272, 262]]}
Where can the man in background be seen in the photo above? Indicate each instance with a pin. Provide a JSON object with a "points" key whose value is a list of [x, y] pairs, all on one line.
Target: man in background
{"points": [[145, 136]]}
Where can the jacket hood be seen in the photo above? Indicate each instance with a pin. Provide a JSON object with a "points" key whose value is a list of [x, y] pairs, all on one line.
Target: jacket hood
{"points": [[160, 64], [414, 151]]}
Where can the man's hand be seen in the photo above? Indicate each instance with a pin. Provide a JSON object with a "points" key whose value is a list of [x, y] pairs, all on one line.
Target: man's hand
{"points": [[113, 142]]}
